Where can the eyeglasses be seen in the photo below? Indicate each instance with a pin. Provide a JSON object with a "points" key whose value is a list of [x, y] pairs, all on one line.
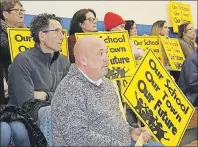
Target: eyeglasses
{"points": [[92, 20], [17, 10], [191, 29], [58, 31]]}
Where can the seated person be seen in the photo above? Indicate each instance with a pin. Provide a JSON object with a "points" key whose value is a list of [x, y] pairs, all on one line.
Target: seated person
{"points": [[35, 73], [188, 80], [85, 108], [11, 16], [114, 22], [186, 37]]}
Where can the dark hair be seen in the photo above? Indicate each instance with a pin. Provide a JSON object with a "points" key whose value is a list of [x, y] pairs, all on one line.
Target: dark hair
{"points": [[182, 29], [79, 17], [129, 24], [41, 23], [6, 5], [157, 27]]}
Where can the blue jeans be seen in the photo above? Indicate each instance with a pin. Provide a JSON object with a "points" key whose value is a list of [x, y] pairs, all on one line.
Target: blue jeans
{"points": [[150, 144], [44, 123], [16, 131]]}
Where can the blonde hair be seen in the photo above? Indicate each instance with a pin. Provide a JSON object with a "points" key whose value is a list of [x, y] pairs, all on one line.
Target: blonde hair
{"points": [[157, 28]]}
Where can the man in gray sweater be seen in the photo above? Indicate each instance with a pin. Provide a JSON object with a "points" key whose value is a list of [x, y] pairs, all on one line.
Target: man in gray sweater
{"points": [[85, 109]]}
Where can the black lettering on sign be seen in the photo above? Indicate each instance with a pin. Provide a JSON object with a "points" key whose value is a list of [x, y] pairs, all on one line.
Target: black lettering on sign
{"points": [[176, 13], [178, 65], [173, 93], [22, 48], [176, 57], [174, 7], [118, 49], [149, 42], [114, 40], [143, 89], [176, 20], [137, 43], [155, 50], [149, 77], [122, 60], [20, 38], [154, 67], [164, 116], [173, 110]]}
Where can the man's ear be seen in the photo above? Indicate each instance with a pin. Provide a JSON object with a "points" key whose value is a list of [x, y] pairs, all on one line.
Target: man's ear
{"points": [[5, 14], [83, 60], [41, 36]]}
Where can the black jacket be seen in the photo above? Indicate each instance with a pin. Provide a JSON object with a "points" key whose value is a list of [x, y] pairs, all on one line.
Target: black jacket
{"points": [[188, 80], [10, 113], [4, 48], [34, 70]]}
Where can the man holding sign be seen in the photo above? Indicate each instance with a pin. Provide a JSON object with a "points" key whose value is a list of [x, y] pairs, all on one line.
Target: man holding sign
{"points": [[85, 109], [35, 73]]}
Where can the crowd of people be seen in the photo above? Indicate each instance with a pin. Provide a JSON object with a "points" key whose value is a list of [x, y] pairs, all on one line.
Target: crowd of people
{"points": [[54, 101]]}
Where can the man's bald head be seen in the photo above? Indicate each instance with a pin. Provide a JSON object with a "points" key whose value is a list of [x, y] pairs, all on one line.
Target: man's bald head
{"points": [[87, 45], [91, 56]]}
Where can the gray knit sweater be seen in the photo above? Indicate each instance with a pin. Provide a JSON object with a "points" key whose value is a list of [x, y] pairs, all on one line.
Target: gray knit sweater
{"points": [[84, 114]]}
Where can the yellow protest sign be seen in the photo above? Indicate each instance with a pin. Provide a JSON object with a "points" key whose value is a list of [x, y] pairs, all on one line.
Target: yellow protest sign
{"points": [[179, 13], [121, 60], [158, 102], [173, 52], [20, 40], [149, 42]]}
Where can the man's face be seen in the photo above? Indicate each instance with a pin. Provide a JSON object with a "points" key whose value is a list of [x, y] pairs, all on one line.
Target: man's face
{"points": [[97, 60], [53, 36], [119, 28], [15, 15]]}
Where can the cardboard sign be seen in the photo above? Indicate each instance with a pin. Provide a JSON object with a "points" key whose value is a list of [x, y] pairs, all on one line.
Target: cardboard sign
{"points": [[174, 52], [158, 102], [20, 40], [149, 42], [179, 13], [121, 60]]}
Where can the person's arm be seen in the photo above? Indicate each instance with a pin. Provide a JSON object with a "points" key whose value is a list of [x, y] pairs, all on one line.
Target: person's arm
{"points": [[20, 79], [4, 51], [192, 75], [70, 119]]}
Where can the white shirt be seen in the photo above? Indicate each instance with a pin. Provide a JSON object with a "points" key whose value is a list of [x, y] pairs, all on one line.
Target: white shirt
{"points": [[98, 82]]}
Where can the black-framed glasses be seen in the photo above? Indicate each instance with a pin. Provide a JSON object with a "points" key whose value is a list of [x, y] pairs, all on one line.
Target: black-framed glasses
{"points": [[191, 29], [91, 19], [58, 31], [18, 10]]}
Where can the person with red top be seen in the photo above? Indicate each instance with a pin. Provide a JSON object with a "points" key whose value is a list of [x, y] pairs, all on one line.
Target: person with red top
{"points": [[84, 20]]}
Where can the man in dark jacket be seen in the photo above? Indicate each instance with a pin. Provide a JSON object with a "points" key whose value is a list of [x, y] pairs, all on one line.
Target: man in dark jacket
{"points": [[35, 73], [188, 80]]}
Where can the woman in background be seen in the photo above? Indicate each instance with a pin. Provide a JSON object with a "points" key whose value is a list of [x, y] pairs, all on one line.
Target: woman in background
{"points": [[160, 28], [84, 20], [187, 36], [11, 16]]}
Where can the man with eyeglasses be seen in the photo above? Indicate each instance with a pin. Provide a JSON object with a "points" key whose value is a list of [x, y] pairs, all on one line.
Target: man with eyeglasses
{"points": [[35, 73]]}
